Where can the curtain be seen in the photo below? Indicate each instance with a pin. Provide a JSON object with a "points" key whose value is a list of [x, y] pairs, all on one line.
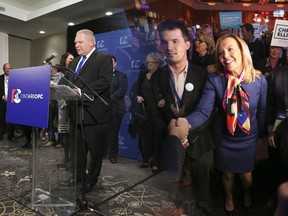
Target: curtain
{"points": [[4, 51]]}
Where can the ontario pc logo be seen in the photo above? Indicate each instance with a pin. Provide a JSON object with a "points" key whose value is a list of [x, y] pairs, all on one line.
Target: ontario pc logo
{"points": [[15, 96]]}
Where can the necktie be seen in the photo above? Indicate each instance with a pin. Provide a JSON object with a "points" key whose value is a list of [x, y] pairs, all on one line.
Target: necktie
{"points": [[80, 66]]}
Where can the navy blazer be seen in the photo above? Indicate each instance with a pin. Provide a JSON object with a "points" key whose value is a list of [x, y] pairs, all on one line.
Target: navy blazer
{"points": [[2, 93], [97, 74]]}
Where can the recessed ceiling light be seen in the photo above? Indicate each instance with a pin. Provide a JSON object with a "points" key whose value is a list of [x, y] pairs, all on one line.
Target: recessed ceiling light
{"points": [[211, 3], [108, 13], [42, 32], [71, 24]]}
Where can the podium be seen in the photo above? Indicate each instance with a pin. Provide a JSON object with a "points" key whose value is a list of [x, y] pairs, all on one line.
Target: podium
{"points": [[39, 183], [47, 191]]}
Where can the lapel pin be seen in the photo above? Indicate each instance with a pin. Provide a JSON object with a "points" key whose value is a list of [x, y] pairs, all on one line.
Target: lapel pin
{"points": [[189, 87]]}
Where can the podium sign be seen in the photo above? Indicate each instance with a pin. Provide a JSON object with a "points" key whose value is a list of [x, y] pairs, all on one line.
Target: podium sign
{"points": [[28, 96]]}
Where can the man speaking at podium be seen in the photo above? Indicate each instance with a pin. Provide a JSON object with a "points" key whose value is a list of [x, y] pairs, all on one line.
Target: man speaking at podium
{"points": [[93, 74]]}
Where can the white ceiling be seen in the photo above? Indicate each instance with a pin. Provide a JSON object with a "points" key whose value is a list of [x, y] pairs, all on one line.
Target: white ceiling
{"points": [[25, 18], [26, 10]]}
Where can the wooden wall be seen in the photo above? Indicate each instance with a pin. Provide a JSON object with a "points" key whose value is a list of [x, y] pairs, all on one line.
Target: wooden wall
{"points": [[177, 10]]}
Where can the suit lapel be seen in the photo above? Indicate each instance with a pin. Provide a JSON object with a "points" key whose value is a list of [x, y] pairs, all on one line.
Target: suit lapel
{"points": [[86, 64], [190, 78]]}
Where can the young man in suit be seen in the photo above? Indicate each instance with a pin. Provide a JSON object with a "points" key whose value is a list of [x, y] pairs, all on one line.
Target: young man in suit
{"points": [[119, 86], [94, 74], [180, 87]]}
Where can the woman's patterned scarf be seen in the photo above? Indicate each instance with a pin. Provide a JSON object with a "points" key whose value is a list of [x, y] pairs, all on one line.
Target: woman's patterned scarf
{"points": [[236, 104]]}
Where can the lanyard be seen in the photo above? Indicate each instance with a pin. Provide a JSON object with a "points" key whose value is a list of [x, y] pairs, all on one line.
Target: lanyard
{"points": [[175, 93]]}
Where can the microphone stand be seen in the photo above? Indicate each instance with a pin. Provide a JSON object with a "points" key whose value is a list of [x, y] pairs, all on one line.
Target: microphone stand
{"points": [[71, 72], [84, 204]]}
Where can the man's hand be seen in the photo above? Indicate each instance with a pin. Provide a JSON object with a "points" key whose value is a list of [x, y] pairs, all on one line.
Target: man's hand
{"points": [[272, 143], [4, 98], [139, 99], [179, 128], [161, 103]]}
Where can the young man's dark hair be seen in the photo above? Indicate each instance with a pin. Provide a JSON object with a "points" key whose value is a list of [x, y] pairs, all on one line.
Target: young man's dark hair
{"points": [[171, 24], [248, 27]]}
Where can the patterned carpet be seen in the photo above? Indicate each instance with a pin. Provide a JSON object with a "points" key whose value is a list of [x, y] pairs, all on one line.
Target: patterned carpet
{"points": [[123, 189]]}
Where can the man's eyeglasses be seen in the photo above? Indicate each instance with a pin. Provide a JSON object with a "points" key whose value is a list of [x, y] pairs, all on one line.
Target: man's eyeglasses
{"points": [[152, 62]]}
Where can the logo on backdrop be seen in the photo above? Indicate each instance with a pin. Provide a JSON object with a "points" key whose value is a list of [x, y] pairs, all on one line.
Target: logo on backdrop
{"points": [[123, 41], [17, 96]]}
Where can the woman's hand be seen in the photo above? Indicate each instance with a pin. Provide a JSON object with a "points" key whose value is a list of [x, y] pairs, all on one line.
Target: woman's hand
{"points": [[139, 99]]}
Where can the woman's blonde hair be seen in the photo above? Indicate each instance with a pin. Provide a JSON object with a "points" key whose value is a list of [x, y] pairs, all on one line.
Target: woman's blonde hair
{"points": [[250, 73], [205, 37], [155, 56]]}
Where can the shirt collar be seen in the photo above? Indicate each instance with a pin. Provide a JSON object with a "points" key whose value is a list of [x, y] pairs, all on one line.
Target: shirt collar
{"points": [[184, 71], [89, 54]]}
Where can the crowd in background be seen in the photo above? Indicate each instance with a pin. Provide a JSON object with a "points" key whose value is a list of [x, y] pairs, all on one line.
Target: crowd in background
{"points": [[191, 76]]}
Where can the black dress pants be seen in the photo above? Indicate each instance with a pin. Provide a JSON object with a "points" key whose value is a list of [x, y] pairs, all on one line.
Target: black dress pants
{"points": [[93, 142]]}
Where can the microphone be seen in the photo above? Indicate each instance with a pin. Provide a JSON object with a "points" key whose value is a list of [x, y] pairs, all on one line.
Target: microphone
{"points": [[47, 60]]}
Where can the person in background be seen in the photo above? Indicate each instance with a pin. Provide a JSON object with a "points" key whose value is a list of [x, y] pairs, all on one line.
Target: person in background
{"points": [[53, 114], [28, 135], [239, 93], [274, 60], [208, 29], [181, 84], [95, 69], [192, 37], [282, 207], [277, 107], [66, 59], [256, 48], [4, 80], [119, 86], [205, 50], [151, 129]]}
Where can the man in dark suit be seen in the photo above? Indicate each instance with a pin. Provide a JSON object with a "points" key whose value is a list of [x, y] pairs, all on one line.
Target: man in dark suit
{"points": [[94, 75], [180, 87], [3, 102], [119, 86], [256, 48]]}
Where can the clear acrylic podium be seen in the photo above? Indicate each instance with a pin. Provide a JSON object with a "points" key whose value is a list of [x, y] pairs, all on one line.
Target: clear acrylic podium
{"points": [[47, 187]]}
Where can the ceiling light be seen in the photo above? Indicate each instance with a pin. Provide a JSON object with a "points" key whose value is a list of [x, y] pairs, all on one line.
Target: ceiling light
{"points": [[71, 24], [246, 4], [211, 3], [42, 32], [108, 13], [280, 5]]}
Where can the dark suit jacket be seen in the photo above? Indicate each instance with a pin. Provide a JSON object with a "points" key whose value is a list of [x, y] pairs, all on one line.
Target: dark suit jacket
{"points": [[2, 102], [119, 86], [200, 140], [97, 74]]}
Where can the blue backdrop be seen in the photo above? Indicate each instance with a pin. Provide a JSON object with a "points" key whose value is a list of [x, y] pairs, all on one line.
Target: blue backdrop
{"points": [[130, 48]]}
